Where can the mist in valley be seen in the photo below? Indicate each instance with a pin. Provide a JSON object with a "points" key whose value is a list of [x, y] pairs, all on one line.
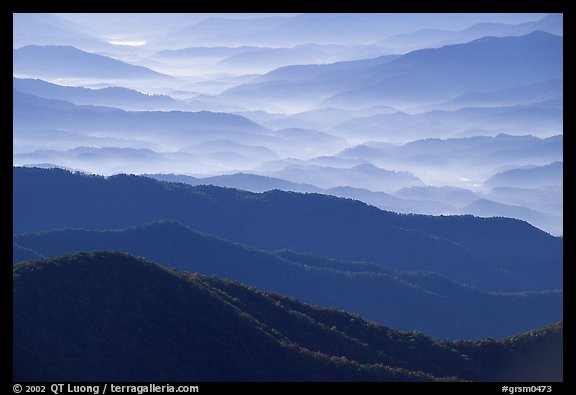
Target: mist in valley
{"points": [[442, 114], [287, 197]]}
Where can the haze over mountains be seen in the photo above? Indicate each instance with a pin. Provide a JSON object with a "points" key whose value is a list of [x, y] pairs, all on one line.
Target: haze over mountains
{"points": [[502, 255], [317, 96], [405, 167]]}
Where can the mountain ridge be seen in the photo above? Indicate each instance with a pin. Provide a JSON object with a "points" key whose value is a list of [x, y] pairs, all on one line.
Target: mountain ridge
{"points": [[317, 224], [124, 98], [313, 279], [426, 74], [177, 318], [69, 61]]}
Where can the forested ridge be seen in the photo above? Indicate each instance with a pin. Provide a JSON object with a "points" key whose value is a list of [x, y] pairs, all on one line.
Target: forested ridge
{"points": [[140, 321]]}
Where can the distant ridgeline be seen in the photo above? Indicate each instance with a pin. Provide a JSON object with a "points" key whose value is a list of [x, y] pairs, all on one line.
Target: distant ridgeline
{"points": [[322, 197]]}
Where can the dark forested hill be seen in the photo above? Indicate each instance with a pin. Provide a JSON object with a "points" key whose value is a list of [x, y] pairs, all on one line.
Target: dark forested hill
{"points": [[430, 303], [106, 316], [492, 253]]}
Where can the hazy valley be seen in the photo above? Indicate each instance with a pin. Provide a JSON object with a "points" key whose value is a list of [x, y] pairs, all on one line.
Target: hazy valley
{"points": [[405, 169]]}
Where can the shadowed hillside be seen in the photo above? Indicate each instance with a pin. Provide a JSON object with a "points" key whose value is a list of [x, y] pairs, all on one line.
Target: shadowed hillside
{"points": [[431, 303], [492, 253], [199, 328]]}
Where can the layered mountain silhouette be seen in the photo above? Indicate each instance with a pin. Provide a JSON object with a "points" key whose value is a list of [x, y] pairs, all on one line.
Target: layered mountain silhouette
{"points": [[489, 208], [491, 253], [124, 312], [314, 197], [46, 29], [245, 181], [112, 96], [257, 183], [532, 93], [489, 63], [502, 149], [549, 198], [430, 303], [363, 175], [67, 61], [33, 112], [453, 69], [538, 118], [308, 72], [551, 23], [345, 28], [541, 206], [536, 176]]}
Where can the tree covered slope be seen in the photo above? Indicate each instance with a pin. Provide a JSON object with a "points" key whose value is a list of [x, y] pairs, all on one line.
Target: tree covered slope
{"points": [[109, 316], [430, 303], [497, 254]]}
